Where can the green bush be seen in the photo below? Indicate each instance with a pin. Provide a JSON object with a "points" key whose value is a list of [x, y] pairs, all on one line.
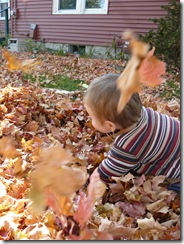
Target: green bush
{"points": [[166, 38]]}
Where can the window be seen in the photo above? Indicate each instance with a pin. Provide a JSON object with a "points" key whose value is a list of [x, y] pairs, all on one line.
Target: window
{"points": [[80, 6], [94, 4], [3, 5]]}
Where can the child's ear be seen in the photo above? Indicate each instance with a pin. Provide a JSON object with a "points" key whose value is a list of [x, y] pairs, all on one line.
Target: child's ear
{"points": [[110, 125]]}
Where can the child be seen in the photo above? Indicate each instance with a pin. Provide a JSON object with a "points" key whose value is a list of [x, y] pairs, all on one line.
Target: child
{"points": [[146, 142]]}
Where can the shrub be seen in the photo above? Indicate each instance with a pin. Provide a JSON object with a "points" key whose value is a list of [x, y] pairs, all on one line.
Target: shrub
{"points": [[166, 38]]}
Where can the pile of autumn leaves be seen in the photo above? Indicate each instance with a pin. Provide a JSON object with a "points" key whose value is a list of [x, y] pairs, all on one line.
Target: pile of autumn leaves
{"points": [[49, 189]]}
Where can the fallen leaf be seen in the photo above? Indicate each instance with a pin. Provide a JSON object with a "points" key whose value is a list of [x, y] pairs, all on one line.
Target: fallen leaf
{"points": [[164, 209], [32, 126], [9, 220], [117, 231], [134, 209], [63, 122], [155, 206], [2, 189], [148, 223]]}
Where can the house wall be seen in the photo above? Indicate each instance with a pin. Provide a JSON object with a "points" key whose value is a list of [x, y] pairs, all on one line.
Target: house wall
{"points": [[2, 27], [91, 30], [84, 29]]}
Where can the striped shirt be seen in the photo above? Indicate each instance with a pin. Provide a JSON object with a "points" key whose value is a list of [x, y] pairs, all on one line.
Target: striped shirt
{"points": [[151, 148]]}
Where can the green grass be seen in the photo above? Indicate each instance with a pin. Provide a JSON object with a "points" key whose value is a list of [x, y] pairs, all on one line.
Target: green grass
{"points": [[57, 82]]}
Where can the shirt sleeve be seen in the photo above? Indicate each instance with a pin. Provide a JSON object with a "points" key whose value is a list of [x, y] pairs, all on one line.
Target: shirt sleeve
{"points": [[117, 163]]}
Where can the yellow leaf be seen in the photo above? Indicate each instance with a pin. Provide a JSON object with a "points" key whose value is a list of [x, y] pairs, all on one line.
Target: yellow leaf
{"points": [[38, 199], [53, 173], [27, 144], [17, 166], [14, 63]]}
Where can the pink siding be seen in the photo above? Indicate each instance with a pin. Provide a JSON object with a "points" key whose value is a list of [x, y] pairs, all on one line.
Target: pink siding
{"points": [[84, 29], [2, 28]]}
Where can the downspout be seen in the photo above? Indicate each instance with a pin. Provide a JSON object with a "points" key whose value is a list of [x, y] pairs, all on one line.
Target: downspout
{"points": [[6, 22], [11, 6]]}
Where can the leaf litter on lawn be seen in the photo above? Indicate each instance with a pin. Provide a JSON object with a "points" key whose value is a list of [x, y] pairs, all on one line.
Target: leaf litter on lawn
{"points": [[43, 129]]}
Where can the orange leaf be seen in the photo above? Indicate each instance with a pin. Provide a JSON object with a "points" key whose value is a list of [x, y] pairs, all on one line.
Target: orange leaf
{"points": [[32, 126], [14, 63], [96, 189], [7, 147], [151, 70], [84, 210], [59, 204]]}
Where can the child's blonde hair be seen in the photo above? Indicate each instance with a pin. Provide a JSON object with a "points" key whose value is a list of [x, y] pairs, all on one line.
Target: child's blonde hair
{"points": [[102, 96]]}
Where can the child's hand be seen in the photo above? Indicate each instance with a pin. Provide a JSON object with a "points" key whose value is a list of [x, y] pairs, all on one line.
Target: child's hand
{"points": [[142, 68]]}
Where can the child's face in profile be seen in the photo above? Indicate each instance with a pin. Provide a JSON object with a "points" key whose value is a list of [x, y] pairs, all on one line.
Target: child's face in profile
{"points": [[102, 127]]}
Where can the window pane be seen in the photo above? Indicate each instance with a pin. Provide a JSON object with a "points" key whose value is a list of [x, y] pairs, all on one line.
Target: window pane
{"points": [[95, 3], [67, 4], [3, 6]]}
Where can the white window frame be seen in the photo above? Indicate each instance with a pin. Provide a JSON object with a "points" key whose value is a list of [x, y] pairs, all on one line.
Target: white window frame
{"points": [[4, 1], [80, 8]]}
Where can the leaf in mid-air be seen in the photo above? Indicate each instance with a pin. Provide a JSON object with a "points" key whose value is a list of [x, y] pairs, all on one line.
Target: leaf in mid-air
{"points": [[14, 63], [95, 190], [151, 70], [52, 172], [7, 147], [142, 68]]}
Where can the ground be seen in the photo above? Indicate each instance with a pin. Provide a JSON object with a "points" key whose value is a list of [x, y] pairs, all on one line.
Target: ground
{"points": [[34, 118]]}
